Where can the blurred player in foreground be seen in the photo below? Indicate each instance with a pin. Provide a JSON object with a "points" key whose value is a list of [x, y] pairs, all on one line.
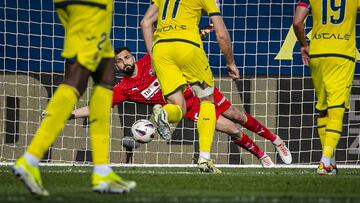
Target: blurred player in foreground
{"points": [[331, 57], [140, 85], [88, 53]]}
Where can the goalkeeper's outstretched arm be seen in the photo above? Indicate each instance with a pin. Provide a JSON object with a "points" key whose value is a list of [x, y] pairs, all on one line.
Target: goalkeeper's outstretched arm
{"points": [[80, 112]]}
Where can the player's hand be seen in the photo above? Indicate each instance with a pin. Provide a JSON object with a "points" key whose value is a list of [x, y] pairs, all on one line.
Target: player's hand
{"points": [[305, 55], [233, 71], [204, 31]]}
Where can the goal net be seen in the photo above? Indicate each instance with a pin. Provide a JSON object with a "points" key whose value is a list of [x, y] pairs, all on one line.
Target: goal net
{"points": [[275, 87]]}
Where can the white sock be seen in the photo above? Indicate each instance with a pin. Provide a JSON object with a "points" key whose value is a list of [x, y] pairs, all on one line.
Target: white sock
{"points": [[333, 161], [277, 141], [102, 170], [31, 159], [205, 155], [326, 161]]}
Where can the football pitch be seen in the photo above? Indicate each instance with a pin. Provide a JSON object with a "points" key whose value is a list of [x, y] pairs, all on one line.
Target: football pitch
{"points": [[72, 184]]}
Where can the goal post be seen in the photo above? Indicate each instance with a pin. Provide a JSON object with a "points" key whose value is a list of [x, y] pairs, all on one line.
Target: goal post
{"points": [[274, 87]]}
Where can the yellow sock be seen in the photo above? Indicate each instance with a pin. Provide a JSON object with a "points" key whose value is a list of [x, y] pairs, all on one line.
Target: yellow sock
{"points": [[100, 106], [206, 125], [321, 127], [174, 113], [57, 113], [333, 131]]}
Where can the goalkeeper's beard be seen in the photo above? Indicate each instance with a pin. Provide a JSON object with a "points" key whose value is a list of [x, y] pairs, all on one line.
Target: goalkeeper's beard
{"points": [[128, 70]]}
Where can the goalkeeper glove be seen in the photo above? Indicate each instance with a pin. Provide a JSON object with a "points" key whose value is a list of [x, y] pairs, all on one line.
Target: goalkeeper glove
{"points": [[204, 31]]}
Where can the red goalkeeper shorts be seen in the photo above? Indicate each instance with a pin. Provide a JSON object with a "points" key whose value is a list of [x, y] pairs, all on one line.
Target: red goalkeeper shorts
{"points": [[193, 105]]}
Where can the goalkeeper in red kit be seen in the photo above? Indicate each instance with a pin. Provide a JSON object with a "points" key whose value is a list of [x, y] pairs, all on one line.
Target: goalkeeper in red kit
{"points": [[140, 85]]}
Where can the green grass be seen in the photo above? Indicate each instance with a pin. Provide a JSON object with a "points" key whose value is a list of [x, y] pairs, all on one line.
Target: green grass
{"points": [[178, 185]]}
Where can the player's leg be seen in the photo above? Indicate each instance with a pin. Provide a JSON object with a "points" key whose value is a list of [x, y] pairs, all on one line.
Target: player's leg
{"points": [[99, 117], [321, 128], [231, 112], [241, 139], [172, 112], [206, 128], [59, 108], [172, 83], [57, 113], [321, 106], [197, 72], [175, 107], [103, 179], [337, 82]]}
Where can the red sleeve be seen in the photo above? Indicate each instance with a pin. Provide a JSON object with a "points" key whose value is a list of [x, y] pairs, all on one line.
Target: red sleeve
{"points": [[304, 3], [118, 95]]}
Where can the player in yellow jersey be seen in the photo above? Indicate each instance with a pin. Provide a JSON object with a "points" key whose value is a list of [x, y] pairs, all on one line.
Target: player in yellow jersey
{"points": [[179, 58], [88, 52], [331, 57]]}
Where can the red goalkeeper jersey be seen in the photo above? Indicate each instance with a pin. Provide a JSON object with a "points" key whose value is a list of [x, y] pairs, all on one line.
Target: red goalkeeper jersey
{"points": [[144, 88]]}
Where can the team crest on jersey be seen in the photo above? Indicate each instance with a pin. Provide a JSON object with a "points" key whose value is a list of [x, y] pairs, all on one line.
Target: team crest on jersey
{"points": [[151, 72]]}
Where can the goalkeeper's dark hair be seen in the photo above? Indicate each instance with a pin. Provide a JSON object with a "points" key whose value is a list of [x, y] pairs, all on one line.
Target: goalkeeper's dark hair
{"points": [[120, 49]]}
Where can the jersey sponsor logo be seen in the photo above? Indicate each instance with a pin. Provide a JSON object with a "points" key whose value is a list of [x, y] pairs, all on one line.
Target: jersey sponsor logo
{"points": [[153, 88], [171, 27], [287, 48], [328, 36], [221, 101]]}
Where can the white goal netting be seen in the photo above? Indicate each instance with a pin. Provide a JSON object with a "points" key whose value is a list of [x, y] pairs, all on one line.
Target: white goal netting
{"points": [[278, 92]]}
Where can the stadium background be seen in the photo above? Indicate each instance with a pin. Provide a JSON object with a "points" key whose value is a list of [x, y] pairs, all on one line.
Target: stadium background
{"points": [[277, 92]]}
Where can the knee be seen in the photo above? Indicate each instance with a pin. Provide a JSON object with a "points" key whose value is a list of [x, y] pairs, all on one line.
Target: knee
{"points": [[236, 134], [230, 129], [236, 115], [204, 92]]}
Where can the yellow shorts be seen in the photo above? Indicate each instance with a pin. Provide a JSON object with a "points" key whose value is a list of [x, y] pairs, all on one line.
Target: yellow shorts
{"points": [[179, 63], [87, 30], [332, 78]]}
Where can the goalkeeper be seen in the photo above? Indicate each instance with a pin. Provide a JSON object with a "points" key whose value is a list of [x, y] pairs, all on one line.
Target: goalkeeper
{"points": [[140, 85]]}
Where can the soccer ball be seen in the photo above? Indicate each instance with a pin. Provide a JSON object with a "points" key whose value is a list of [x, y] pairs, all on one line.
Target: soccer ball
{"points": [[143, 131]]}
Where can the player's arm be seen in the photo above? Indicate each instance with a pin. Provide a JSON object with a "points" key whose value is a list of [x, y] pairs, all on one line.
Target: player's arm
{"points": [[80, 112], [302, 11], [223, 38], [77, 113], [118, 97], [147, 23]]}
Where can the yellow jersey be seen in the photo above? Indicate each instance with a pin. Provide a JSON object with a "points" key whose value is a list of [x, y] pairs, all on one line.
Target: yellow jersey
{"points": [[101, 4], [334, 27], [178, 20]]}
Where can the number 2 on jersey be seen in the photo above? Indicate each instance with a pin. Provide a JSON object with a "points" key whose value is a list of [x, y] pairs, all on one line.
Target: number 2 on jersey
{"points": [[175, 9], [339, 9]]}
